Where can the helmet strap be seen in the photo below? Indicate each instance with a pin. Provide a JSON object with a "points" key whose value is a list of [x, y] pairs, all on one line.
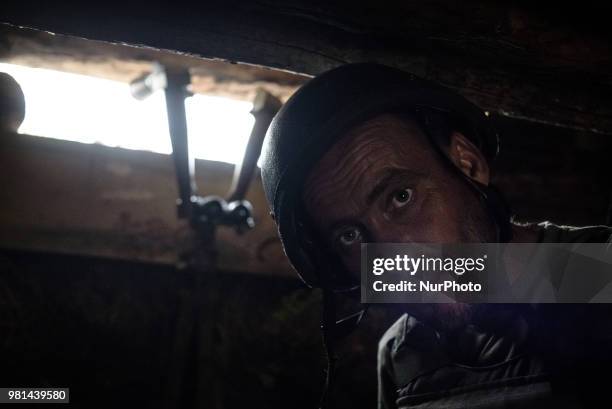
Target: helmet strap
{"points": [[333, 331]]}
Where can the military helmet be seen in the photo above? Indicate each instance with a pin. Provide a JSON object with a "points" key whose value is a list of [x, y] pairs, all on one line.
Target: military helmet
{"points": [[323, 110]]}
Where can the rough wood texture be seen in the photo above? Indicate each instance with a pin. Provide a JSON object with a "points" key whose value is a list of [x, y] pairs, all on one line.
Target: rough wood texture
{"points": [[118, 62], [74, 198], [509, 57]]}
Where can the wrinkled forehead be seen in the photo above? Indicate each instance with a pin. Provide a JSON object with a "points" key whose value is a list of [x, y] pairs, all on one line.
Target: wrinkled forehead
{"points": [[363, 154]]}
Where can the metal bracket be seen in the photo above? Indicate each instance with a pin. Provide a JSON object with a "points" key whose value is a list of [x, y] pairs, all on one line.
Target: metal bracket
{"points": [[205, 213]]}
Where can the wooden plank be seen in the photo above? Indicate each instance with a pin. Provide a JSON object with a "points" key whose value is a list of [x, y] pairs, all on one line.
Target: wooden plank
{"points": [[34, 48], [507, 57], [68, 197]]}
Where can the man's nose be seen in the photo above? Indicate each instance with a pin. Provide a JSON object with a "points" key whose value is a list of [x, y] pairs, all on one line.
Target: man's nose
{"points": [[382, 230]]}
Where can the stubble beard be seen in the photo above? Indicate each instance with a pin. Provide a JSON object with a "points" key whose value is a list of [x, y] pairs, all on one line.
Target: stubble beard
{"points": [[476, 226]]}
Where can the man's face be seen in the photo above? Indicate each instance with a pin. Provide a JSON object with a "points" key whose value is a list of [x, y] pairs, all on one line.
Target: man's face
{"points": [[384, 182]]}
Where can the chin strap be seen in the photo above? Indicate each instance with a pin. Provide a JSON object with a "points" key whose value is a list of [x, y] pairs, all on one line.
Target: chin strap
{"points": [[327, 328], [334, 330], [496, 207], [500, 212]]}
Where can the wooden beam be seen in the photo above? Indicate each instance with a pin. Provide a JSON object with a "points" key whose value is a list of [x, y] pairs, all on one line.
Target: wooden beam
{"points": [[508, 58], [75, 198]]}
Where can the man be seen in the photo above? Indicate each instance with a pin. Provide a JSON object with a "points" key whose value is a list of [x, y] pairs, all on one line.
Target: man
{"points": [[366, 153]]}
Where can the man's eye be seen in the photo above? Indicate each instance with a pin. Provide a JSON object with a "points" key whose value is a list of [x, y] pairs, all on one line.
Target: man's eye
{"points": [[349, 236], [401, 197]]}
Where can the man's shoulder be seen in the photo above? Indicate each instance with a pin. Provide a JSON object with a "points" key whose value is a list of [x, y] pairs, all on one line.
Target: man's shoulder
{"points": [[408, 348], [398, 334], [554, 233], [393, 332], [406, 336]]}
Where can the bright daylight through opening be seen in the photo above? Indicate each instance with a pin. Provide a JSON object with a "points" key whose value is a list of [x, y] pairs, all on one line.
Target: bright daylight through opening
{"points": [[93, 110]]}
